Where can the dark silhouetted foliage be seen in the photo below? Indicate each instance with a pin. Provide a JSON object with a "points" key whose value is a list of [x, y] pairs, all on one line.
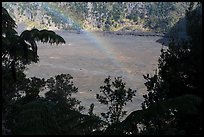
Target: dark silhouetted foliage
{"points": [[114, 96]]}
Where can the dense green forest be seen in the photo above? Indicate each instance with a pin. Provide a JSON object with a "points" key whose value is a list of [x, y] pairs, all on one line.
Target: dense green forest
{"points": [[173, 105], [114, 16]]}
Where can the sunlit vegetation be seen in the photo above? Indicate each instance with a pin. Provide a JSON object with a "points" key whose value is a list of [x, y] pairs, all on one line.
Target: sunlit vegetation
{"points": [[113, 16]]}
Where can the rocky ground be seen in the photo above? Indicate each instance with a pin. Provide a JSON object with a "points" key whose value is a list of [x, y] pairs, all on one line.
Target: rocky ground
{"points": [[90, 57]]}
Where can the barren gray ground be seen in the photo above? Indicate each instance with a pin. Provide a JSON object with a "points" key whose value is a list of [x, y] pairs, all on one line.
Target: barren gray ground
{"points": [[91, 57]]}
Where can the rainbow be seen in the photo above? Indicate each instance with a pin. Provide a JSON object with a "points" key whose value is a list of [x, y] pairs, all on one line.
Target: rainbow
{"points": [[99, 42]]}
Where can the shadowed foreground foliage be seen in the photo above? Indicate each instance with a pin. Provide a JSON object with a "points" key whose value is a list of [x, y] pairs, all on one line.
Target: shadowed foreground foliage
{"points": [[24, 111], [115, 97], [174, 102]]}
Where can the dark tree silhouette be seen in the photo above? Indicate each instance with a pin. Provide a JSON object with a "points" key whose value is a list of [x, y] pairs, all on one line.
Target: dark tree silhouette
{"points": [[60, 89], [174, 100], [57, 112], [114, 96], [173, 105], [17, 52]]}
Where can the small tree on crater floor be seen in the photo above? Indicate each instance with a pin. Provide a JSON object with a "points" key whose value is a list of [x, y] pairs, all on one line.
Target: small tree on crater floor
{"points": [[115, 96]]}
